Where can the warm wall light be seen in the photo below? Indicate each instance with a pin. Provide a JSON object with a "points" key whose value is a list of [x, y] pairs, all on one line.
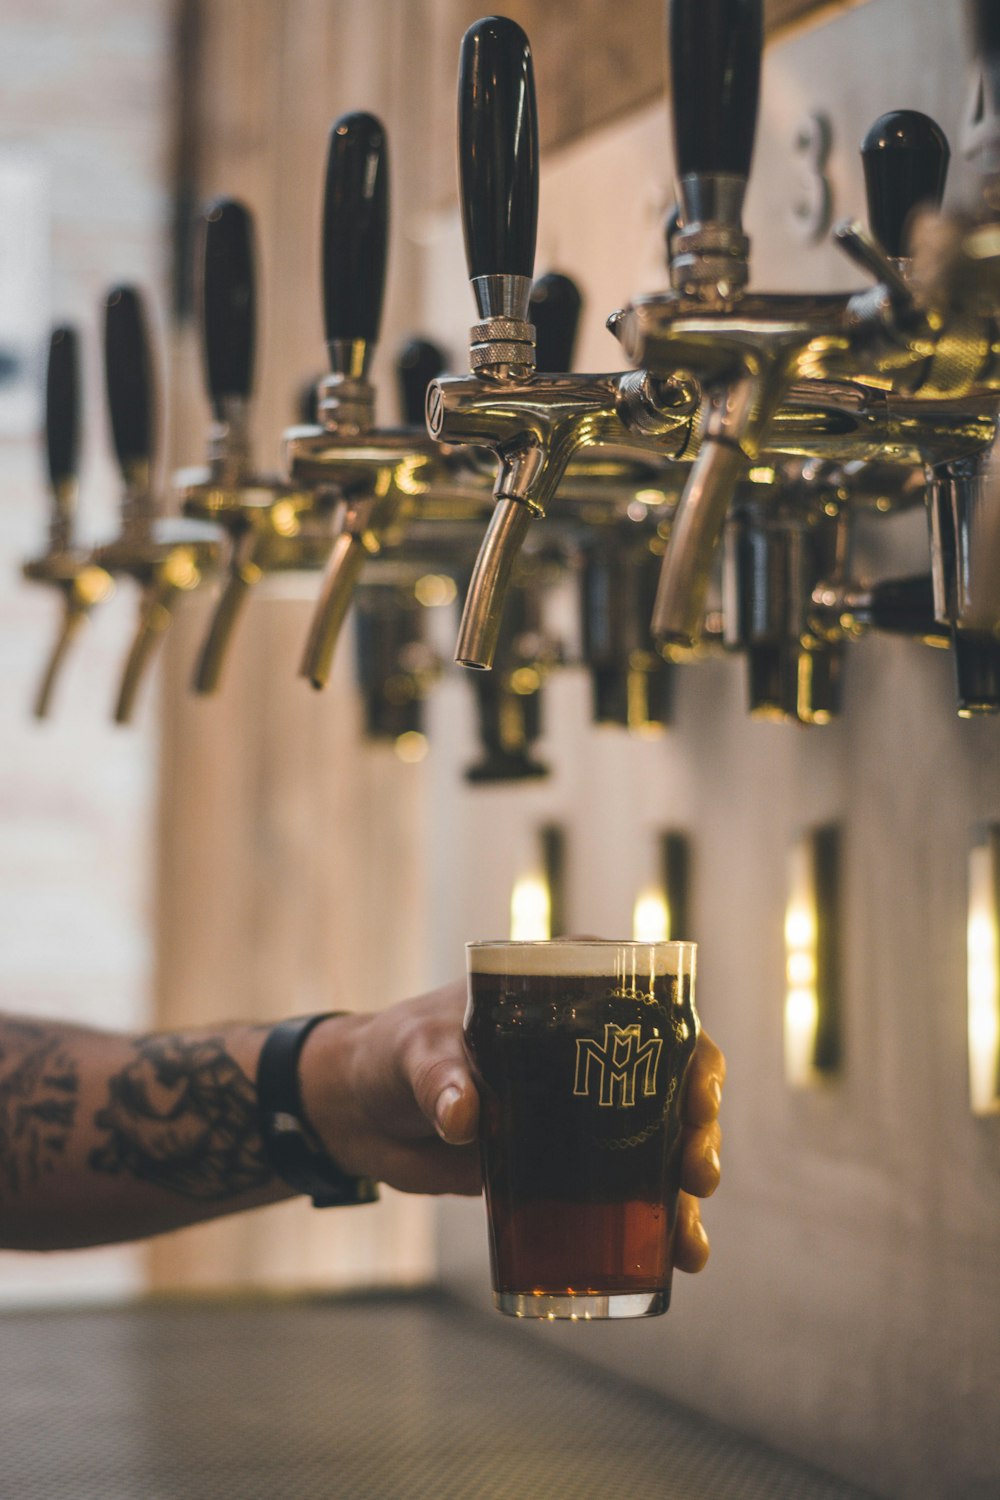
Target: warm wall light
{"points": [[984, 972], [660, 910], [536, 904], [811, 1026]]}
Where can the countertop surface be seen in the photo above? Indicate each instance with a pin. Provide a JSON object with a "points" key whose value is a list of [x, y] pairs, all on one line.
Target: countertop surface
{"points": [[395, 1397]]}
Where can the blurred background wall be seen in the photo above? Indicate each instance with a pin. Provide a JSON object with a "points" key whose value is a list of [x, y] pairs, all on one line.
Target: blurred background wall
{"points": [[249, 855]]}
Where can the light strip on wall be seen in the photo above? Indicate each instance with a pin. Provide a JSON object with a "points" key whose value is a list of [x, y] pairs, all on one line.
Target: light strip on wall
{"points": [[660, 911], [536, 902], [983, 974], [811, 1041]]}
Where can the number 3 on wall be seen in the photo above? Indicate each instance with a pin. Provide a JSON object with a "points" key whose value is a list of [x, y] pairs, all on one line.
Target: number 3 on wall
{"points": [[812, 204]]}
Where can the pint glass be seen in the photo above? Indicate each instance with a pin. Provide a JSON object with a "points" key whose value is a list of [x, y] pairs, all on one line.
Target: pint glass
{"points": [[580, 1051]]}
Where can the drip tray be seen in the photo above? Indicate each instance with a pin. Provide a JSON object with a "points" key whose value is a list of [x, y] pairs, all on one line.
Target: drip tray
{"points": [[368, 1398]]}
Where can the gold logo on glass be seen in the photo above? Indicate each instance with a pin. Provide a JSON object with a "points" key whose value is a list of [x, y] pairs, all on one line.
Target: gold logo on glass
{"points": [[617, 1063]]}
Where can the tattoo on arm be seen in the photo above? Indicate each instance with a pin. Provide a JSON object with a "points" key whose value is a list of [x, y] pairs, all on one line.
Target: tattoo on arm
{"points": [[38, 1098], [183, 1116]]}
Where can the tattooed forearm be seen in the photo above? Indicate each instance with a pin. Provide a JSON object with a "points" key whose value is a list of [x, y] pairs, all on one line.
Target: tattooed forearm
{"points": [[38, 1099], [182, 1116]]}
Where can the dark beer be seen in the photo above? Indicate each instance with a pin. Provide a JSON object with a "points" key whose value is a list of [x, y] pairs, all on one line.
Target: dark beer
{"points": [[580, 1078]]}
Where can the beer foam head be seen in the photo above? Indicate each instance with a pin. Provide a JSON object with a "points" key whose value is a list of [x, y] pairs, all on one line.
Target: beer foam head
{"points": [[588, 959]]}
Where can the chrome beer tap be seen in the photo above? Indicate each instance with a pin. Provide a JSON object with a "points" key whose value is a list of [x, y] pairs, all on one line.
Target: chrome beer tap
{"points": [[790, 599], [553, 433], [380, 475], [891, 368], [536, 424], [166, 557], [271, 526], [63, 566]]}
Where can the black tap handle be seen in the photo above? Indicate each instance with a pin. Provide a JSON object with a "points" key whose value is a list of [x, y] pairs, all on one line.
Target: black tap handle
{"points": [[228, 300], [418, 363], [498, 149], [905, 156], [715, 50], [554, 309], [128, 376], [355, 228], [62, 406], [984, 16]]}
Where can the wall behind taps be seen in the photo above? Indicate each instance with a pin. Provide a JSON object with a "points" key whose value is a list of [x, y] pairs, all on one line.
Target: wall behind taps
{"points": [[850, 1309], [85, 128]]}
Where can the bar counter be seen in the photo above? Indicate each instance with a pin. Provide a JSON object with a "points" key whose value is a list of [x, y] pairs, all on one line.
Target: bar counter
{"points": [[387, 1397]]}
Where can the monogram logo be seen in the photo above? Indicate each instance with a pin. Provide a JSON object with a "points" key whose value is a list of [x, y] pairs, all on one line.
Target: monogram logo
{"points": [[617, 1062]]}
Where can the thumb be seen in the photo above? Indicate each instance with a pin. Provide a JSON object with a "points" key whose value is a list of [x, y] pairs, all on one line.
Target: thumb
{"points": [[456, 1113]]}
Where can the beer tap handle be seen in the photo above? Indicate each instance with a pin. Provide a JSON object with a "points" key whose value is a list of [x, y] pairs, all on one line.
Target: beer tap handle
{"points": [[62, 431], [228, 306], [715, 55], [355, 241], [715, 52], [984, 22], [129, 381], [498, 169], [554, 309], [418, 363], [905, 156]]}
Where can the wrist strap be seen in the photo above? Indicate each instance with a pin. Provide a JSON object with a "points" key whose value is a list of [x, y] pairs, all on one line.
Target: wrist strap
{"points": [[290, 1144]]}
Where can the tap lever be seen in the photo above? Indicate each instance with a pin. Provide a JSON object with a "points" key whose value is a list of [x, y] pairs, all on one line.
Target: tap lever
{"points": [[355, 241], [498, 174], [418, 363], [228, 304], [715, 53], [866, 253], [905, 156], [62, 430], [554, 309], [129, 379], [984, 20]]}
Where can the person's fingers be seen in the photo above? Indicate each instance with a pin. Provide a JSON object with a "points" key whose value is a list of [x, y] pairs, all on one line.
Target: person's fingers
{"points": [[437, 1072], [430, 1166], [701, 1167], [703, 1091], [690, 1239]]}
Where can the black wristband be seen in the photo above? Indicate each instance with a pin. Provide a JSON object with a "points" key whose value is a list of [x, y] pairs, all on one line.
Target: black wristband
{"points": [[290, 1144]]}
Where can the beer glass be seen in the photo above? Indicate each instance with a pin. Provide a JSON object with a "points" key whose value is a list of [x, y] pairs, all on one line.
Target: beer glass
{"points": [[580, 1051]]}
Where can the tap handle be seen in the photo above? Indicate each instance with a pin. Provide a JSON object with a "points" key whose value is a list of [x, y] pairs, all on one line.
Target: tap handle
{"points": [[984, 18], [62, 408], [418, 363], [355, 237], [905, 156], [554, 309], [715, 51], [228, 302], [497, 151], [129, 378]]}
